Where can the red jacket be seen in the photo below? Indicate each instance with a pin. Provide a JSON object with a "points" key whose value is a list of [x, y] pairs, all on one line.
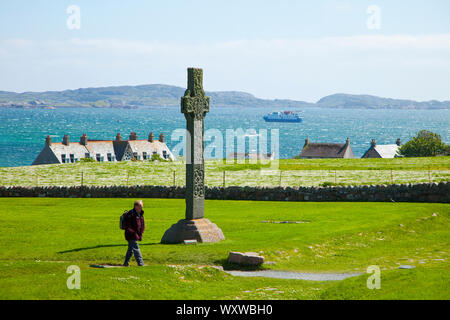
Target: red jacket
{"points": [[134, 225]]}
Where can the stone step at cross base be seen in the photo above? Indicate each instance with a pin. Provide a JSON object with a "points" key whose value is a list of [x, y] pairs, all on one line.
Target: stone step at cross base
{"points": [[201, 230]]}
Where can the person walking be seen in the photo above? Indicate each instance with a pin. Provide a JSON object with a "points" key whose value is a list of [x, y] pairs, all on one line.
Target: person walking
{"points": [[134, 226]]}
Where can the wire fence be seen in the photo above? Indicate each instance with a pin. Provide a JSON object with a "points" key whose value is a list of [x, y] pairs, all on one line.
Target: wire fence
{"points": [[176, 177]]}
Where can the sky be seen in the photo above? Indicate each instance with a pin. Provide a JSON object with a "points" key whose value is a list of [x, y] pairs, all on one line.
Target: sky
{"points": [[301, 50]]}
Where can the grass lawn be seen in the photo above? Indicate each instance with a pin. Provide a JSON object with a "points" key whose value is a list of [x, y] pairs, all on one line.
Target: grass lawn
{"points": [[294, 172], [41, 237]]}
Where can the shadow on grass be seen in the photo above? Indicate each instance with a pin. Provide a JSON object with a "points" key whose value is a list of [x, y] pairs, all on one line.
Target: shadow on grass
{"points": [[105, 246], [238, 267]]}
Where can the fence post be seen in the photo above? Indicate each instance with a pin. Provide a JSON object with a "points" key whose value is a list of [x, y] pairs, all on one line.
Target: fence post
{"points": [[223, 178], [335, 179], [280, 177], [128, 177], [37, 180], [392, 177], [174, 178], [429, 174], [82, 177]]}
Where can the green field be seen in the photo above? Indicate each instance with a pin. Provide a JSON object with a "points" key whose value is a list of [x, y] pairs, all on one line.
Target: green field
{"points": [[41, 237], [293, 172]]}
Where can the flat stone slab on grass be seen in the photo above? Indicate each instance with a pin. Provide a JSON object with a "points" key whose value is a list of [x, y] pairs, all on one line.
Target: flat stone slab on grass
{"points": [[281, 222], [294, 275], [106, 266], [246, 259]]}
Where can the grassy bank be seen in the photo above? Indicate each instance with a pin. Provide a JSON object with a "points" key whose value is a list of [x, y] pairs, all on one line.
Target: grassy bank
{"points": [[292, 172], [42, 237]]}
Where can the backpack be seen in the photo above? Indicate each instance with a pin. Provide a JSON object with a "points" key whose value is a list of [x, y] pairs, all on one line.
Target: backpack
{"points": [[122, 220]]}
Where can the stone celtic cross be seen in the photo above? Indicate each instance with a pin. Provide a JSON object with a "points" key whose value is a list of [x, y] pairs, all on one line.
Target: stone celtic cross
{"points": [[194, 106]]}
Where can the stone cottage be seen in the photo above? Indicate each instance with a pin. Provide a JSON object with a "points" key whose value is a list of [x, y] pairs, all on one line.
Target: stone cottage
{"points": [[326, 150], [382, 150], [103, 150], [250, 156]]}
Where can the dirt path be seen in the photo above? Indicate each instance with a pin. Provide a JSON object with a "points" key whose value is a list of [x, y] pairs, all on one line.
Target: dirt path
{"points": [[294, 275]]}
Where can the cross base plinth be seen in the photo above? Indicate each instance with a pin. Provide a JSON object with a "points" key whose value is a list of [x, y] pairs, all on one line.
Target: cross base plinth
{"points": [[201, 230]]}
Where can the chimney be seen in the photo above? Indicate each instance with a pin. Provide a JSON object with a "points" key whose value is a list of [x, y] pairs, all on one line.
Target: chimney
{"points": [[150, 137], [118, 137], [66, 140], [347, 142], [373, 143], [306, 142], [48, 141], [161, 137], [133, 136], [398, 142], [84, 139]]}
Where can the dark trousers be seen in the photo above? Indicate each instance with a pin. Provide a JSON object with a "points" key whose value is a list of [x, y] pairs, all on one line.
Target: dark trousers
{"points": [[133, 248]]}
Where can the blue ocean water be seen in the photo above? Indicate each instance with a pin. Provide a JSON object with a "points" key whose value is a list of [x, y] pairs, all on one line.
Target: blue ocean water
{"points": [[23, 131]]}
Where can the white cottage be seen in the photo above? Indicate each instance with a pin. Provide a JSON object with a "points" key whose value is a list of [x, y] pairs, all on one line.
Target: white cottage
{"points": [[383, 150], [103, 150]]}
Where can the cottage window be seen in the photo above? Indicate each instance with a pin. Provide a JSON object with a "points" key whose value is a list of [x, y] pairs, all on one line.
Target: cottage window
{"points": [[144, 155], [98, 156], [164, 154], [63, 158], [87, 155], [109, 157], [72, 158]]}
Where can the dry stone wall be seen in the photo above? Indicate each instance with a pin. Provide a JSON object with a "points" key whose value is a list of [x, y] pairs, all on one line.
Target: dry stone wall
{"points": [[423, 192]]}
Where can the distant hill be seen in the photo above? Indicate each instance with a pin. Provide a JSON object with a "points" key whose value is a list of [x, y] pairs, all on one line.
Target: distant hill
{"points": [[165, 95], [134, 96], [350, 101]]}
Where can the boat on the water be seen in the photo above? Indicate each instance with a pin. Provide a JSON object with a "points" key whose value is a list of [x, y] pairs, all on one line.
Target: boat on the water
{"points": [[285, 116]]}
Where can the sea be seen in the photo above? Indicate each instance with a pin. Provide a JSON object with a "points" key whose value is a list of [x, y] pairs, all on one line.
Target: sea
{"points": [[23, 131]]}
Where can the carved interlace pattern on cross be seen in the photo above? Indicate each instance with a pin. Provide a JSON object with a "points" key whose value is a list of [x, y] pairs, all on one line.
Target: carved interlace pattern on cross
{"points": [[199, 190]]}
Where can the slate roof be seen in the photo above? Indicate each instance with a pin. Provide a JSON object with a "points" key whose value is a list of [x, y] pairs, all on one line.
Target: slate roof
{"points": [[382, 151], [387, 150], [58, 149], [141, 146], [101, 148]]}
